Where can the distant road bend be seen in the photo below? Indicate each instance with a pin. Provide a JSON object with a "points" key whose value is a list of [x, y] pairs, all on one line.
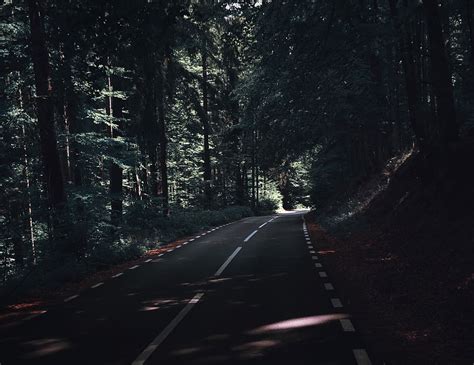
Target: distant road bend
{"points": [[251, 292]]}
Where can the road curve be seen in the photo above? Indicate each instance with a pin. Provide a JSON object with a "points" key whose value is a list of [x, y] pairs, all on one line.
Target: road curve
{"points": [[251, 292]]}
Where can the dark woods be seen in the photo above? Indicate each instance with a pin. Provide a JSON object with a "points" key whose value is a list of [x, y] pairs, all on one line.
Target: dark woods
{"points": [[122, 121]]}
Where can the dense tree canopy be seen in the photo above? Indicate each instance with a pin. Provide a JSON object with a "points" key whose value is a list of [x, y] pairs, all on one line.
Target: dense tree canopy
{"points": [[116, 116]]}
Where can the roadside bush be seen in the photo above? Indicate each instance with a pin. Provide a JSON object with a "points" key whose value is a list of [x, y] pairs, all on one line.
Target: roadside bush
{"points": [[266, 206], [143, 227]]}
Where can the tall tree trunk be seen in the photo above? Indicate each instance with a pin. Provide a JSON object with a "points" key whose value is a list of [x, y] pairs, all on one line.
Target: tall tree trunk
{"points": [[116, 172], [163, 139], [44, 105], [206, 130], [441, 75], [411, 77], [26, 173], [239, 185], [150, 123], [15, 208], [253, 171], [70, 114]]}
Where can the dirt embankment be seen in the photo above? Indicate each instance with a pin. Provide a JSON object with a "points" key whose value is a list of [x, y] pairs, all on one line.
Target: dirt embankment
{"points": [[405, 263]]}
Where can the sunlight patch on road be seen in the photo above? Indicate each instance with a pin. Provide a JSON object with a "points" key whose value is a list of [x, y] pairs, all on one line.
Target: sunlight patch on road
{"points": [[46, 346], [298, 323]]}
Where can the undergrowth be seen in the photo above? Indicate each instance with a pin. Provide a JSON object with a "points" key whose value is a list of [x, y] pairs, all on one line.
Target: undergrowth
{"points": [[143, 229]]}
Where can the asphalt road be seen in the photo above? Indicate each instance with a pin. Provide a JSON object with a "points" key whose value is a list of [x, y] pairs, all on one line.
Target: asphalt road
{"points": [[245, 293]]}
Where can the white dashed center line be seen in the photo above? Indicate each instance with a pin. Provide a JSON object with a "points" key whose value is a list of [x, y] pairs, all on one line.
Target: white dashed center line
{"points": [[263, 225], [97, 285], [71, 298], [323, 274], [250, 235], [227, 262], [117, 275], [149, 260], [168, 329]]}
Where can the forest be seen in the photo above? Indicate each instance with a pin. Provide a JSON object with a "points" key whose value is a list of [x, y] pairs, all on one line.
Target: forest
{"points": [[125, 125]]}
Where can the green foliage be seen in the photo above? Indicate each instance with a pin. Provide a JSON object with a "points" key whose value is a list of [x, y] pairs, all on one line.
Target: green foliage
{"points": [[146, 226], [266, 206]]}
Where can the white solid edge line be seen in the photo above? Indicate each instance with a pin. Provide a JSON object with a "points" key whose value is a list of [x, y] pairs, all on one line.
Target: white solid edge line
{"points": [[72, 297], [328, 286], [263, 225], [361, 356], [227, 262], [250, 235], [336, 303], [97, 285], [347, 325], [168, 329], [117, 275]]}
